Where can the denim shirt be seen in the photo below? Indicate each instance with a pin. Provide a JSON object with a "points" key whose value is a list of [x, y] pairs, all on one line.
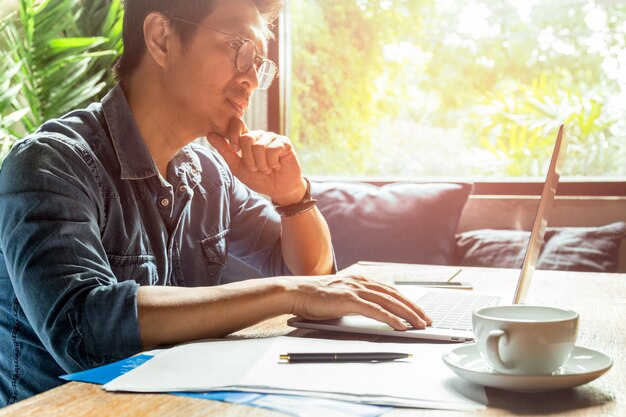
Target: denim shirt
{"points": [[85, 219]]}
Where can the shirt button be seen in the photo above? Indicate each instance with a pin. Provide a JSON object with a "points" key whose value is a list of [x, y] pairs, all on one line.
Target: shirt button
{"points": [[165, 202], [182, 188]]}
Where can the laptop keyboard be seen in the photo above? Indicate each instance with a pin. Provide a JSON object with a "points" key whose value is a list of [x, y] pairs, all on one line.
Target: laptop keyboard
{"points": [[454, 310]]}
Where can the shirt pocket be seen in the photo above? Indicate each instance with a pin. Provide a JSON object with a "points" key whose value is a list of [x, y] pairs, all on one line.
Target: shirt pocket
{"points": [[139, 268], [215, 250]]}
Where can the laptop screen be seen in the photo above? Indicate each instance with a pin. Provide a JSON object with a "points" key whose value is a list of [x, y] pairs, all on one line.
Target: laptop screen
{"points": [[540, 223]]}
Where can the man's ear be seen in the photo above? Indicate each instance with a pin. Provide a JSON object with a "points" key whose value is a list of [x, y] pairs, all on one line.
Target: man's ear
{"points": [[158, 35]]}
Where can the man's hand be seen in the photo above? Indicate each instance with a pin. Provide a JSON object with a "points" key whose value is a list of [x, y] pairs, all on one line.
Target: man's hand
{"points": [[264, 161], [169, 315], [336, 296]]}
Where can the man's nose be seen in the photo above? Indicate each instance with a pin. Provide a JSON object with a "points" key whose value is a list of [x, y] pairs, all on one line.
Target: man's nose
{"points": [[250, 79]]}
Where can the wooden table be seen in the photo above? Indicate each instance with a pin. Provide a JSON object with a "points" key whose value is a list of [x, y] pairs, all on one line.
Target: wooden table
{"points": [[600, 299]]}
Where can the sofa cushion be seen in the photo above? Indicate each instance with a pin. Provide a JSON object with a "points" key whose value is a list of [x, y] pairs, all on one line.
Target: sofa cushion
{"points": [[590, 249], [401, 222]]}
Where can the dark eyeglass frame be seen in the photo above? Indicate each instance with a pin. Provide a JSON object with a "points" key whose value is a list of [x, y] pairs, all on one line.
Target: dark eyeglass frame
{"points": [[258, 61]]}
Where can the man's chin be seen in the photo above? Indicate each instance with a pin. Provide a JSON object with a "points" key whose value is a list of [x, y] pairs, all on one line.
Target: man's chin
{"points": [[218, 130]]}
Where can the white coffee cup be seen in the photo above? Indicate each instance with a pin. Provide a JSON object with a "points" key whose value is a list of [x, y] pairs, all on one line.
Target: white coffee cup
{"points": [[525, 340]]}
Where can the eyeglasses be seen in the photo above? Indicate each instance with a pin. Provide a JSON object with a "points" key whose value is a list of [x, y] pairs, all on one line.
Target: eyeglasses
{"points": [[247, 55]]}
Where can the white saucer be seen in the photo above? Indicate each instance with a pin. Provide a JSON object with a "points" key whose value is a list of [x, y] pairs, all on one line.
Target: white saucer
{"points": [[584, 365]]}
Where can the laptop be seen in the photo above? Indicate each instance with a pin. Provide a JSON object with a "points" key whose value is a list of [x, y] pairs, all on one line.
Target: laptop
{"points": [[451, 310]]}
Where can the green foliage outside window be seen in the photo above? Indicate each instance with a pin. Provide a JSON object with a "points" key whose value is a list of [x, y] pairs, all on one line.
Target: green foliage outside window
{"points": [[380, 87], [55, 56], [457, 87]]}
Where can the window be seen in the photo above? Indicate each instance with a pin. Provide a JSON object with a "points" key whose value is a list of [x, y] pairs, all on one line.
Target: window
{"points": [[456, 88]]}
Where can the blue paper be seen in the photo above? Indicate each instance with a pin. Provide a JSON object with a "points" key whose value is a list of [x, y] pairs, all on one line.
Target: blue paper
{"points": [[107, 373], [294, 405], [289, 404]]}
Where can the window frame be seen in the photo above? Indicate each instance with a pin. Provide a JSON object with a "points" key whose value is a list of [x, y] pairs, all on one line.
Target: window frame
{"points": [[276, 94]]}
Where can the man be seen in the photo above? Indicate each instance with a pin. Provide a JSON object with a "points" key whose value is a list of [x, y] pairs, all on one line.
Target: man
{"points": [[114, 228]]}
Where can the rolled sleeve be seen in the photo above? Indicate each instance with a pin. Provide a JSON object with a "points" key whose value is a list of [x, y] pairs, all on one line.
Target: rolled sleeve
{"points": [[50, 223], [105, 338]]}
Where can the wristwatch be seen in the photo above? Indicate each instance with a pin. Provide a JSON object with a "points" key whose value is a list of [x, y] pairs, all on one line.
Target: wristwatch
{"points": [[304, 205]]}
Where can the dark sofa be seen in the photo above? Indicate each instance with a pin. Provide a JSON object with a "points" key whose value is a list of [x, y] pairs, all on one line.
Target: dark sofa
{"points": [[417, 223]]}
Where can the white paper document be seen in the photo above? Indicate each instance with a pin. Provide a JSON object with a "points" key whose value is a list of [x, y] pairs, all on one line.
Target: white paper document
{"points": [[253, 365]]}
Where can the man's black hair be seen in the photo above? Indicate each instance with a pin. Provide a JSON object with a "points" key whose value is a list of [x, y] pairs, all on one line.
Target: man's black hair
{"points": [[136, 11]]}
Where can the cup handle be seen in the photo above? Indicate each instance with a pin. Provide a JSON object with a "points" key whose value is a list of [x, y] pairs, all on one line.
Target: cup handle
{"points": [[493, 352]]}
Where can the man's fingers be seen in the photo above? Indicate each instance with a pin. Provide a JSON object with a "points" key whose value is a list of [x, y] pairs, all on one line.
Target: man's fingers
{"points": [[397, 307], [222, 146], [376, 312], [278, 148], [391, 291], [260, 149], [236, 128], [387, 297], [219, 143], [388, 289], [246, 142], [394, 306]]}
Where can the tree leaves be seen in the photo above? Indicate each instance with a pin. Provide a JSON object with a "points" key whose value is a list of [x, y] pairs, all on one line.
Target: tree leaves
{"points": [[456, 87], [55, 56]]}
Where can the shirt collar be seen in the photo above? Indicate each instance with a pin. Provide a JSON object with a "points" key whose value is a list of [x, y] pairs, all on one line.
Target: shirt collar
{"points": [[135, 161], [132, 154], [187, 163]]}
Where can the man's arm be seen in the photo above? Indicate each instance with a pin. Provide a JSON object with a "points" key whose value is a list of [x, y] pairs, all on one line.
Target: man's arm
{"points": [[306, 242], [173, 314], [267, 163], [307, 247], [50, 236]]}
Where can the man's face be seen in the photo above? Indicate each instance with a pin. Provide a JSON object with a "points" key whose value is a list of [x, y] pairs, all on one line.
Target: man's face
{"points": [[206, 89]]}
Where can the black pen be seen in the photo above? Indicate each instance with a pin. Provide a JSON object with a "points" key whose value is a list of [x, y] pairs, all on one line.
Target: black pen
{"points": [[343, 357]]}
